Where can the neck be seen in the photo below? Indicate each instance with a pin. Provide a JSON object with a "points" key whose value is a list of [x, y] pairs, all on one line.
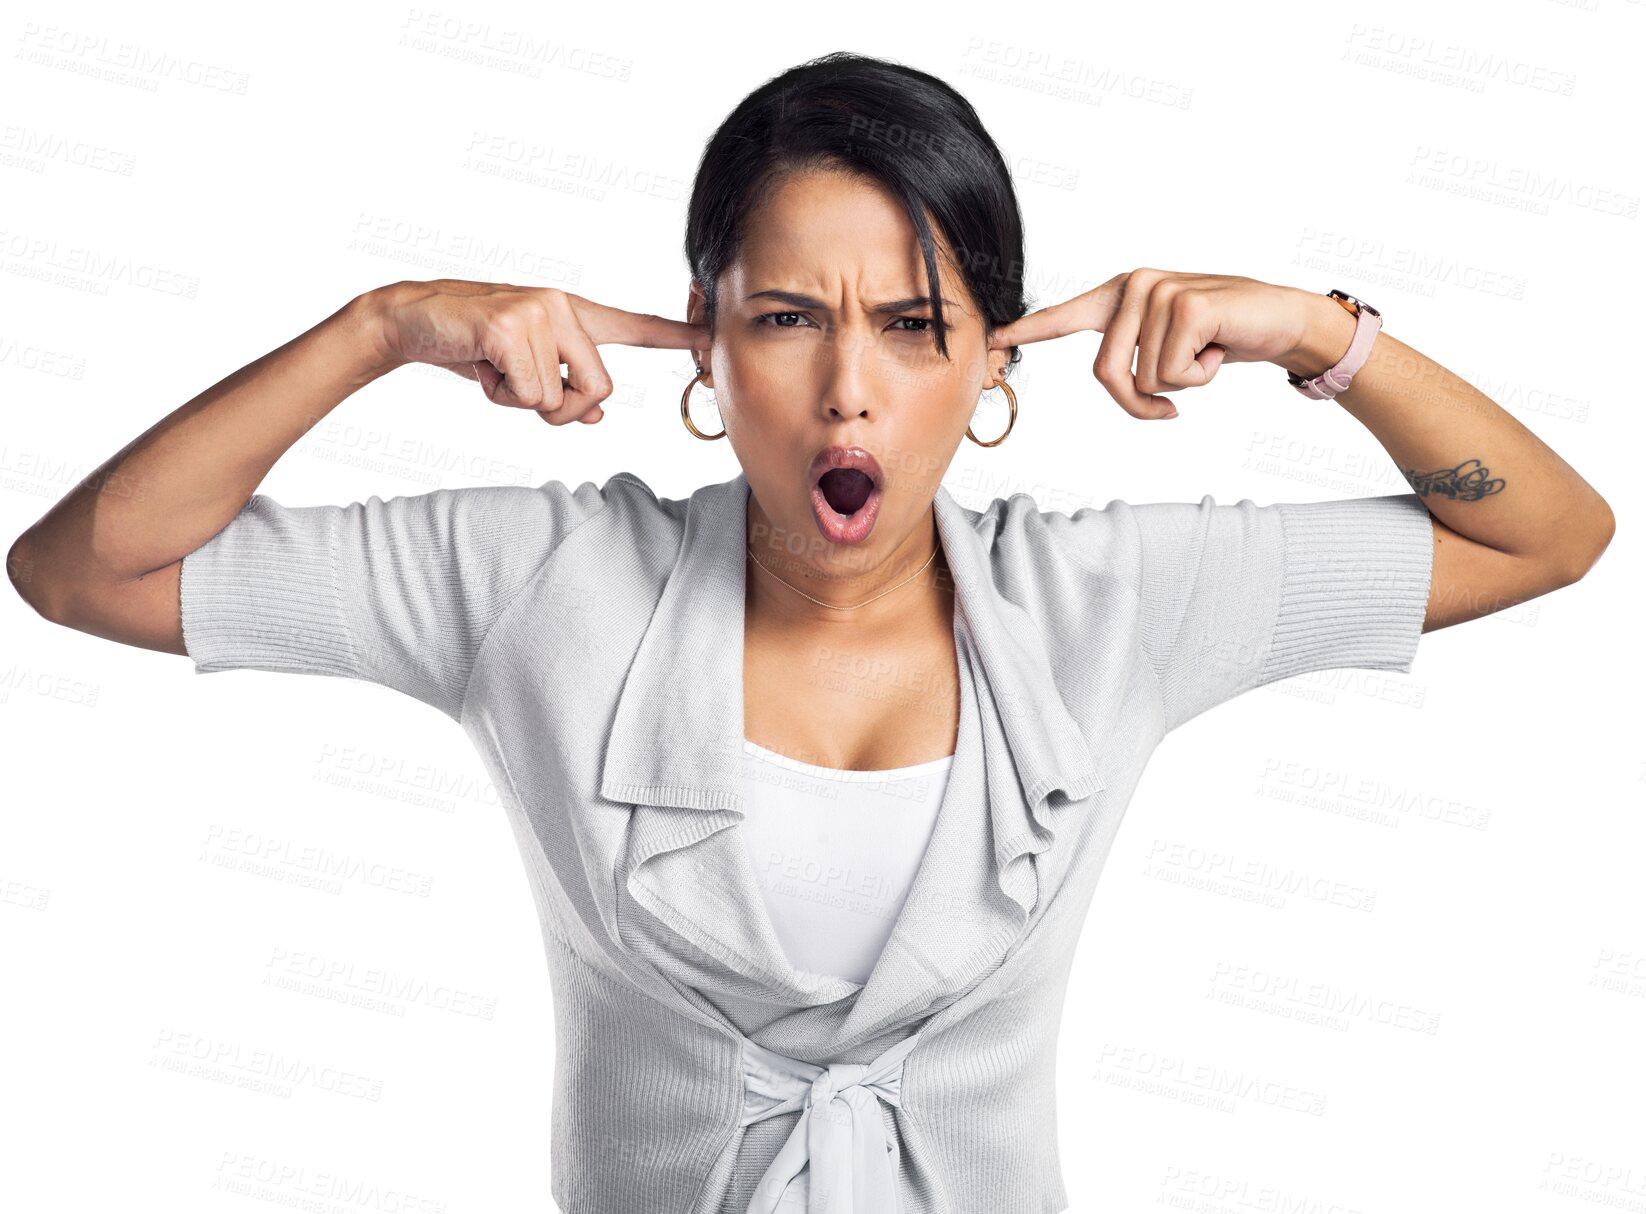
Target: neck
{"points": [[911, 581]]}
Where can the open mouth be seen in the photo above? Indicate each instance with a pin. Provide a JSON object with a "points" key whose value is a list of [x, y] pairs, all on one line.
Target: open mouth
{"points": [[845, 493], [846, 489]]}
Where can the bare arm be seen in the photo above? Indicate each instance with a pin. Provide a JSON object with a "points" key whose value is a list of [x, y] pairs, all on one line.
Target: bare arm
{"points": [[1512, 520], [108, 559], [105, 559]]}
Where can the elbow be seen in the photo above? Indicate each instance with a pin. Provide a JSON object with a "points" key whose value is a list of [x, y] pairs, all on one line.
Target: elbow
{"points": [[20, 568], [1582, 557], [27, 575]]}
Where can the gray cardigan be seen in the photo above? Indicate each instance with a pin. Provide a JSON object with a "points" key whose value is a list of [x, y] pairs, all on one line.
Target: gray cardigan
{"points": [[589, 641]]}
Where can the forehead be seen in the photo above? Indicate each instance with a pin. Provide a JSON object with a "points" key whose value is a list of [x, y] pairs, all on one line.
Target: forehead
{"points": [[821, 227]]}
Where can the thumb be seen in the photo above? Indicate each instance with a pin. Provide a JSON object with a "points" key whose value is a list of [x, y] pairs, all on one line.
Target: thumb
{"points": [[489, 378]]}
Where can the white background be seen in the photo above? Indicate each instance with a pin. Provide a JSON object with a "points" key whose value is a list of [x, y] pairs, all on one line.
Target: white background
{"points": [[185, 189]]}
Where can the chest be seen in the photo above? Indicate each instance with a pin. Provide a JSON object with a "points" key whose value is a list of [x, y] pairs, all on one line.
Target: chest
{"points": [[836, 704]]}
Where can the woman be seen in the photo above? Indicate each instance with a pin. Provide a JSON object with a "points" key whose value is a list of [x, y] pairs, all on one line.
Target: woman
{"points": [[960, 701]]}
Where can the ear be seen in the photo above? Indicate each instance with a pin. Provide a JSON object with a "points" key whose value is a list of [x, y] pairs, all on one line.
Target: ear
{"points": [[697, 313], [998, 361]]}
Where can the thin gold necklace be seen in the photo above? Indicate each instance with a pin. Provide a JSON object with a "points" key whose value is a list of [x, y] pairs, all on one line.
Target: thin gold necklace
{"points": [[853, 606]]}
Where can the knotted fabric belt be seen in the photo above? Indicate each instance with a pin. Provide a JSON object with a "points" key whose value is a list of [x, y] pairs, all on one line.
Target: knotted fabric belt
{"points": [[837, 1158]]}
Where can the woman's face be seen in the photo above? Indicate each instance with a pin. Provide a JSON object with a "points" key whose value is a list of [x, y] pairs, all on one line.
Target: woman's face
{"points": [[823, 340]]}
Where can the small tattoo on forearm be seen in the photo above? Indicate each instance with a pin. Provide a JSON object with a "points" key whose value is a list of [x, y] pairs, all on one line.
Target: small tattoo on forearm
{"points": [[1468, 482]]}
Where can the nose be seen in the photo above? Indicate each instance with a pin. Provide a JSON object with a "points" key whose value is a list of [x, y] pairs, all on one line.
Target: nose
{"points": [[848, 374]]}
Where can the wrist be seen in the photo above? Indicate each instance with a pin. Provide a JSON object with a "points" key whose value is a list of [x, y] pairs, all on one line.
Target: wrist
{"points": [[1325, 333], [368, 314]]}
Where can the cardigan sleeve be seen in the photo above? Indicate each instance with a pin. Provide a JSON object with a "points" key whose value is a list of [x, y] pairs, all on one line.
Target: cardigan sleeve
{"points": [[400, 591], [1237, 596]]}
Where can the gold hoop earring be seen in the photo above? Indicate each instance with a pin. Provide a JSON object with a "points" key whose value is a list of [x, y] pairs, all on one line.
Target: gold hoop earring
{"points": [[1011, 398], [685, 407]]}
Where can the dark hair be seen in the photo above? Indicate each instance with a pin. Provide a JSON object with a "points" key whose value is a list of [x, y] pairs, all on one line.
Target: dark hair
{"points": [[895, 125]]}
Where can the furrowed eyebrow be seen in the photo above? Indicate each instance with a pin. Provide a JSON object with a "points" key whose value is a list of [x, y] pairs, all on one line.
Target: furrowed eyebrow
{"points": [[797, 300]]}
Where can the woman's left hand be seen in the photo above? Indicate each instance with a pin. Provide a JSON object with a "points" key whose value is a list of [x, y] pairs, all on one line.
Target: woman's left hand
{"points": [[1182, 326]]}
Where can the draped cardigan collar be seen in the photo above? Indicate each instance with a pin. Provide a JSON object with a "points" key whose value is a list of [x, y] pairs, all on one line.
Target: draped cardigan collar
{"points": [[675, 757]]}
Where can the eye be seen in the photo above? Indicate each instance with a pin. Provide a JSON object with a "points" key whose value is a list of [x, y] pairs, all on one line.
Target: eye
{"points": [[770, 320], [766, 318], [919, 320]]}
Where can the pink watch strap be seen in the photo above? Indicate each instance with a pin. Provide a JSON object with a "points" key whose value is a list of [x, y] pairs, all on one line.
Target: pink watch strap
{"points": [[1326, 385]]}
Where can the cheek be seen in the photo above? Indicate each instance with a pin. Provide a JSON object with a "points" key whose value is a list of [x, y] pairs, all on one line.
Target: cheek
{"points": [[754, 402], [942, 401], [756, 373], [922, 431]]}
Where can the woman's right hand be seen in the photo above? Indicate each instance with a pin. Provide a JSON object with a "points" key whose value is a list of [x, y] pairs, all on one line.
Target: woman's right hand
{"points": [[512, 340]]}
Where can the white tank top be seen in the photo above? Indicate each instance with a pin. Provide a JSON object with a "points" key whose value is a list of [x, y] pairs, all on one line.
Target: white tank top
{"points": [[836, 851]]}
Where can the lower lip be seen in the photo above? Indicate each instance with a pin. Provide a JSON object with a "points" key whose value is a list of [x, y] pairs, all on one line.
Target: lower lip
{"points": [[840, 528]]}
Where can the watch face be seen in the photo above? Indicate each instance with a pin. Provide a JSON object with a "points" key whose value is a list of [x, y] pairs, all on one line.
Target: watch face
{"points": [[1359, 305]]}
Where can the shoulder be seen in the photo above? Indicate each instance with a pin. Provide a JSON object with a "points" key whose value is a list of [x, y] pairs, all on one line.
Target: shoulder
{"points": [[501, 531], [633, 496], [593, 525], [560, 506], [1075, 573], [1081, 543], [635, 510]]}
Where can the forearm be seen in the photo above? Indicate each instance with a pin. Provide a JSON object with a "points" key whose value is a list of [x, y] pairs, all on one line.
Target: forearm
{"points": [[1475, 466], [180, 482]]}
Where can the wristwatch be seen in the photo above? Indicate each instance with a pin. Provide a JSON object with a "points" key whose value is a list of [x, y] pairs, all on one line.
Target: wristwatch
{"points": [[1368, 320]]}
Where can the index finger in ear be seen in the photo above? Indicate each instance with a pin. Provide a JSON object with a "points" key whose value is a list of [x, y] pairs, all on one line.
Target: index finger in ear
{"points": [[605, 324], [1094, 310], [1059, 320]]}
